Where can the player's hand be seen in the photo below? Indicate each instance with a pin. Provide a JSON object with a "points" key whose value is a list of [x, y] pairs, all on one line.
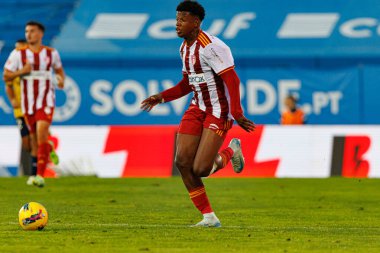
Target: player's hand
{"points": [[150, 102], [26, 69], [60, 82], [15, 104], [246, 124]]}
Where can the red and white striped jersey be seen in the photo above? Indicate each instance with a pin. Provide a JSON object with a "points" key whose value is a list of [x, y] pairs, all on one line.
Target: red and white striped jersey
{"points": [[204, 61], [37, 89]]}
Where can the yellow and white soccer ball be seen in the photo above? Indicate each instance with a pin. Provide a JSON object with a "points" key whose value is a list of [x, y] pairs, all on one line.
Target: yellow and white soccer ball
{"points": [[33, 216]]}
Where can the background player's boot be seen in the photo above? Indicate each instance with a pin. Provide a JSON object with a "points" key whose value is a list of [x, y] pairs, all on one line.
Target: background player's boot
{"points": [[53, 155], [30, 180], [209, 220], [237, 159], [39, 181]]}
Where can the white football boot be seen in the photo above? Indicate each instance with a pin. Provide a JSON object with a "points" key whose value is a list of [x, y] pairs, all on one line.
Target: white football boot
{"points": [[39, 181], [209, 220], [237, 159], [30, 180]]}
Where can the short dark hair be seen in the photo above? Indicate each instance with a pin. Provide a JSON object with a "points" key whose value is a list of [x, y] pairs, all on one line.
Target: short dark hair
{"points": [[21, 41], [292, 97], [38, 24], [193, 7]]}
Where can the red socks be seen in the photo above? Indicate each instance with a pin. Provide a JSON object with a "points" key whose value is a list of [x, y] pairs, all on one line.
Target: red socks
{"points": [[200, 200], [226, 156], [42, 157]]}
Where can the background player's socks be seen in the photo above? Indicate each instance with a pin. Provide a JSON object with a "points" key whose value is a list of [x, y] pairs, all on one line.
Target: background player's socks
{"points": [[42, 158], [200, 200], [226, 155], [33, 170], [53, 155], [34, 165]]}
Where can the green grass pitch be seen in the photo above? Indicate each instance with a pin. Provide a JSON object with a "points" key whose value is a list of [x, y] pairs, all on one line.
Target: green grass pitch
{"points": [[88, 214]]}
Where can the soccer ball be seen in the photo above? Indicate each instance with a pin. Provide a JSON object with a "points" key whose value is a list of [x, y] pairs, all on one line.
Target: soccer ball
{"points": [[32, 216]]}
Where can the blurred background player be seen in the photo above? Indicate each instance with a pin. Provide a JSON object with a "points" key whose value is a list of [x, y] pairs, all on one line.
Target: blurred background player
{"points": [[33, 64], [292, 115], [208, 67]]}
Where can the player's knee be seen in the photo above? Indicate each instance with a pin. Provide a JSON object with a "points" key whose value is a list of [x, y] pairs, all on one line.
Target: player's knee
{"points": [[201, 170], [182, 163]]}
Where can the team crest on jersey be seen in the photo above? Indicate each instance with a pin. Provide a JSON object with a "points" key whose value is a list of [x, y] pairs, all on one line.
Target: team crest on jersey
{"points": [[193, 59], [47, 60]]}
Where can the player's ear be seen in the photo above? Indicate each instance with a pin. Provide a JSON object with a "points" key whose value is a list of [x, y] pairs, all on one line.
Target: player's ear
{"points": [[197, 22]]}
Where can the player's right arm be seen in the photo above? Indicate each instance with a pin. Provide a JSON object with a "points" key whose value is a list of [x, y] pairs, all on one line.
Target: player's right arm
{"points": [[13, 69], [181, 89]]}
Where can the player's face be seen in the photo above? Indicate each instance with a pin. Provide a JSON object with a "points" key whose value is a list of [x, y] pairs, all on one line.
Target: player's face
{"points": [[289, 103], [186, 23], [33, 34]]}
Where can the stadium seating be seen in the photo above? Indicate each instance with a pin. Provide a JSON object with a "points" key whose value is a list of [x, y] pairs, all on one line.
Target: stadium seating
{"points": [[13, 19]]}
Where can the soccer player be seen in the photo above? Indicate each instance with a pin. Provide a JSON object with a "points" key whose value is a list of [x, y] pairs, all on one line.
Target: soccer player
{"points": [[34, 65], [293, 115], [208, 72]]}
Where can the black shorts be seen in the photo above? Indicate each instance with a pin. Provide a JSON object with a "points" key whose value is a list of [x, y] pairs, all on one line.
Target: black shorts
{"points": [[24, 130]]}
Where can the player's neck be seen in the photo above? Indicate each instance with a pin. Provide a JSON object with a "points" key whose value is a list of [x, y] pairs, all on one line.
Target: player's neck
{"points": [[36, 47], [192, 37]]}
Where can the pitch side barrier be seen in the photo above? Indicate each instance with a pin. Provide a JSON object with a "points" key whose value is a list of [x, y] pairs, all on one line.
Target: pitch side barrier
{"points": [[271, 151]]}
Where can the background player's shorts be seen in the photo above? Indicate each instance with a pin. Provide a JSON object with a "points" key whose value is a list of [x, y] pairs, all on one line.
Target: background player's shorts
{"points": [[45, 114], [24, 131], [194, 120]]}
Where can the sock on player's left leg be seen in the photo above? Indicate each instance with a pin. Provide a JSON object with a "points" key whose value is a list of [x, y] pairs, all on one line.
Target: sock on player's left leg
{"points": [[42, 158]]}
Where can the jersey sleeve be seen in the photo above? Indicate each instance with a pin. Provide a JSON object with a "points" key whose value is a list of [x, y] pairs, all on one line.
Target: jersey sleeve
{"points": [[13, 62], [219, 57], [56, 61]]}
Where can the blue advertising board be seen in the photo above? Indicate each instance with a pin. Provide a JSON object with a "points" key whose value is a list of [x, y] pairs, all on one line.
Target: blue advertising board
{"points": [[112, 96], [370, 93]]}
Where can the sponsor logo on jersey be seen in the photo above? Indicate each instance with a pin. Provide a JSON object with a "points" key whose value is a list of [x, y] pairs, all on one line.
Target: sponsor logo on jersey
{"points": [[197, 79]]}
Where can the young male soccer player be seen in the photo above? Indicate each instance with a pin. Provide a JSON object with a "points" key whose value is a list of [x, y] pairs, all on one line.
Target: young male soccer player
{"points": [[208, 71], [34, 65], [13, 90]]}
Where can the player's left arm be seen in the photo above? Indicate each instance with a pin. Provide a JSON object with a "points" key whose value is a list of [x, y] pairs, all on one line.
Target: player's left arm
{"points": [[60, 74], [58, 69], [232, 82], [220, 59]]}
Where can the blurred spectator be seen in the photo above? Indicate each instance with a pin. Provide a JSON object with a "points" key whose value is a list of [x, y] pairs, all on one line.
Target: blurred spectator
{"points": [[292, 115]]}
